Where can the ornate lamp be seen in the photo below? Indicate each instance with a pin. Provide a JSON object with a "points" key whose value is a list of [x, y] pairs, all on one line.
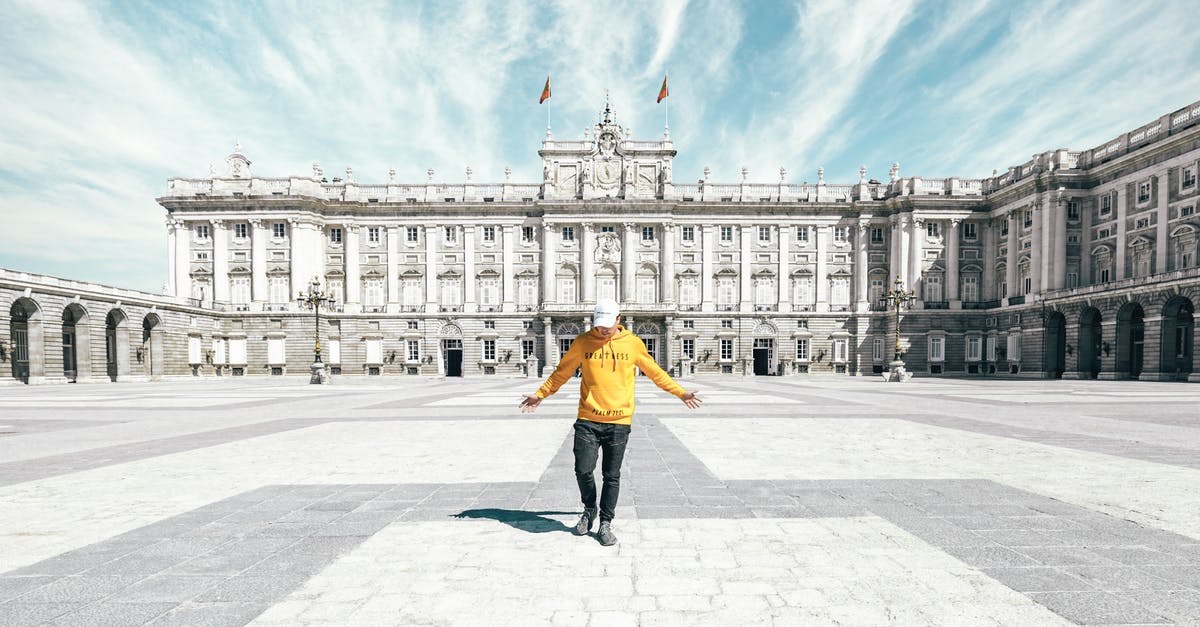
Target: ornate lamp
{"points": [[315, 299], [896, 298]]}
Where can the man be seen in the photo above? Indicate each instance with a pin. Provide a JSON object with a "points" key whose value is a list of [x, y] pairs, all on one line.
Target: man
{"points": [[608, 355]]}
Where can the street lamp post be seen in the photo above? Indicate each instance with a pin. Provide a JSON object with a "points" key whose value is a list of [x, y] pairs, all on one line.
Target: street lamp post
{"points": [[897, 298], [314, 299]]}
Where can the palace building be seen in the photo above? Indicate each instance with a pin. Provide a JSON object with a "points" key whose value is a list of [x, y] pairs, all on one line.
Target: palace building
{"points": [[1073, 264]]}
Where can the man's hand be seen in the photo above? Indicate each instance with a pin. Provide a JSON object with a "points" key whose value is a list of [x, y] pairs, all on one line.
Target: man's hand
{"points": [[691, 399], [530, 403]]}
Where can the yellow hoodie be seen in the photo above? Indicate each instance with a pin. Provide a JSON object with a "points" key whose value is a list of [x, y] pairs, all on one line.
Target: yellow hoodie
{"points": [[606, 392]]}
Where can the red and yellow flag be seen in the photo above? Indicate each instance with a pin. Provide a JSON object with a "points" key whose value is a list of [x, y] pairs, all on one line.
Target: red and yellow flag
{"points": [[662, 93], [545, 91]]}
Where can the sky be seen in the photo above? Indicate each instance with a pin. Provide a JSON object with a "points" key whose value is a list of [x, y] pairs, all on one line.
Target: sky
{"points": [[102, 102]]}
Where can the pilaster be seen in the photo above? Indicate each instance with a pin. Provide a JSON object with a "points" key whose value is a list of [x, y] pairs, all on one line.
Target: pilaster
{"points": [[258, 263], [821, 233], [666, 270], [629, 265], [952, 272], [353, 287], [587, 269], [469, 304], [510, 284]]}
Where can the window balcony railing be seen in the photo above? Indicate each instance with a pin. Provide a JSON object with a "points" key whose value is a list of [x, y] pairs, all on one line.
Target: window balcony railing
{"points": [[726, 307], [766, 308], [1016, 300], [410, 308], [450, 308], [936, 304], [802, 307], [690, 307], [277, 306]]}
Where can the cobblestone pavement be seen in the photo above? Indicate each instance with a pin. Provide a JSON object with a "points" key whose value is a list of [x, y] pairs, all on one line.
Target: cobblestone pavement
{"points": [[780, 502]]}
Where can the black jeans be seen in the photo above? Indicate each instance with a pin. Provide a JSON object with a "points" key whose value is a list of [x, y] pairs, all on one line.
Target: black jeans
{"points": [[590, 437]]}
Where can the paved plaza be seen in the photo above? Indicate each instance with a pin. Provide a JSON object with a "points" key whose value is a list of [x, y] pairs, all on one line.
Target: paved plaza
{"points": [[435, 502]]}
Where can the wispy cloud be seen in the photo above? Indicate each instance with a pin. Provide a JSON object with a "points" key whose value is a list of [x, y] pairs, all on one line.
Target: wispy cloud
{"points": [[102, 103]]}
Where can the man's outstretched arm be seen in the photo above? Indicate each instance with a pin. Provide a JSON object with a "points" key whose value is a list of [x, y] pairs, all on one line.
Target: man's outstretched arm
{"points": [[563, 373], [647, 365]]}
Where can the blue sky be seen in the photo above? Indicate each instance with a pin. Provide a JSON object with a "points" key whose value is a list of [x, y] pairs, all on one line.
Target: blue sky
{"points": [[103, 102]]}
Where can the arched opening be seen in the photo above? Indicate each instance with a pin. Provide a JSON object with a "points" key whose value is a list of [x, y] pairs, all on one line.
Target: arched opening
{"points": [[1131, 336], [25, 340], [1090, 343], [150, 353], [76, 343], [1178, 326], [1055, 350], [116, 344]]}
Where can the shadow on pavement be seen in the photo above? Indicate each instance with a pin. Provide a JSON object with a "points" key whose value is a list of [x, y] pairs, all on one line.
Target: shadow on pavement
{"points": [[531, 522]]}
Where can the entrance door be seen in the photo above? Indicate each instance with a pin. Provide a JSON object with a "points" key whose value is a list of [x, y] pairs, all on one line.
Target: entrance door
{"points": [[1089, 344], [110, 352], [762, 356], [454, 357], [1055, 355], [68, 345], [20, 355]]}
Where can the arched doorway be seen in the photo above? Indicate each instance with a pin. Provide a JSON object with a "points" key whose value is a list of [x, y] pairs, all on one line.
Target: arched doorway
{"points": [[1131, 336], [116, 344], [1089, 343], [150, 353], [1054, 355], [76, 343], [25, 340], [1178, 326]]}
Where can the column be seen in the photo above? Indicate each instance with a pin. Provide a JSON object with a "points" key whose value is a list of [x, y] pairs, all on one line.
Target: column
{"points": [[628, 265], [1060, 246], [510, 289], [431, 271], [785, 272], [548, 295], [220, 240], [393, 265], [952, 278], [551, 349], [1119, 260], [258, 263], [745, 287], [861, 267], [183, 260], [916, 256], [1014, 246], [990, 261], [587, 269], [903, 257], [1161, 237], [707, 254], [1036, 258], [894, 267], [666, 268], [469, 268], [172, 274], [821, 232], [353, 287], [298, 240], [1085, 246]]}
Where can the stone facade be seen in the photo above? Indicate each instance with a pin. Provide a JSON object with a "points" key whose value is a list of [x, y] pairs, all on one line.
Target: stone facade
{"points": [[1071, 264]]}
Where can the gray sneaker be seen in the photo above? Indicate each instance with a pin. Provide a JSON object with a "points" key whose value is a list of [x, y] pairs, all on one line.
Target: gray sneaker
{"points": [[605, 534], [585, 522]]}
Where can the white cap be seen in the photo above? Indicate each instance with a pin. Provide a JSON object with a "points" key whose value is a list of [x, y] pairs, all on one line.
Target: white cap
{"points": [[606, 312]]}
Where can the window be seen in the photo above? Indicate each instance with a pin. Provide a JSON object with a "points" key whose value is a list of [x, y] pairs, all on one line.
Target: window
{"points": [[1141, 223], [839, 292], [489, 324], [933, 287], [372, 235], [1072, 210], [877, 349], [373, 293], [689, 324], [275, 351], [527, 236], [1189, 177], [1187, 211], [1072, 280], [876, 235], [1105, 275], [527, 324], [841, 349], [489, 350], [1144, 192], [689, 233], [608, 229], [450, 292], [1028, 285], [726, 233], [937, 349], [1004, 228], [240, 292], [726, 349], [278, 230], [933, 229], [489, 293], [647, 289], [991, 350], [765, 293], [202, 231], [802, 234], [839, 234], [1106, 204], [335, 291], [240, 230], [1014, 347], [489, 234], [414, 350], [566, 290], [527, 347], [875, 292], [606, 287], [969, 231], [802, 291], [689, 291], [1028, 218], [411, 233], [974, 348], [278, 290], [451, 234], [647, 234], [801, 350], [970, 288], [568, 234], [727, 324], [764, 233], [726, 293], [1104, 233], [689, 348], [411, 293], [412, 325], [564, 345], [335, 236]]}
